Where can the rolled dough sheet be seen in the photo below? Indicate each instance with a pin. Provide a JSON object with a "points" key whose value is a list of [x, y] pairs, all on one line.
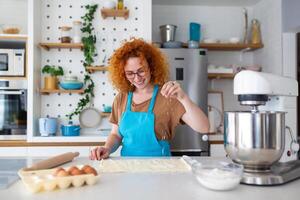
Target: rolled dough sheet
{"points": [[144, 165]]}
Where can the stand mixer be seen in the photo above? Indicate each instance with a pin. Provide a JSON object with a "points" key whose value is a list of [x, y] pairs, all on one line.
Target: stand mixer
{"points": [[259, 139]]}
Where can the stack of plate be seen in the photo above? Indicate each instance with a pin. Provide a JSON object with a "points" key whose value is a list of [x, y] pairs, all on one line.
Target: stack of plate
{"points": [[71, 83]]}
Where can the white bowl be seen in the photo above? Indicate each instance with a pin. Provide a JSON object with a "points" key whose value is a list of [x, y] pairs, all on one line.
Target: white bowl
{"points": [[218, 175], [109, 4]]}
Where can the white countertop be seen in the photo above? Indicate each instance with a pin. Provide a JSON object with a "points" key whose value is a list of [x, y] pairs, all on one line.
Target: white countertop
{"points": [[144, 186]]}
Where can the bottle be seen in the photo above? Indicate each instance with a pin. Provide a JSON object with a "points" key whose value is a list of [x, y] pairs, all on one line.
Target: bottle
{"points": [[65, 34], [77, 31], [255, 32], [120, 5]]}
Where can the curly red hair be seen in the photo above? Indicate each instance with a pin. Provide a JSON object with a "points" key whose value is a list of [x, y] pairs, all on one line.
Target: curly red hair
{"points": [[158, 66]]}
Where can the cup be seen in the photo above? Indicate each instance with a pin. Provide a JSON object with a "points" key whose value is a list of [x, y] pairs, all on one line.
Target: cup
{"points": [[195, 31]]}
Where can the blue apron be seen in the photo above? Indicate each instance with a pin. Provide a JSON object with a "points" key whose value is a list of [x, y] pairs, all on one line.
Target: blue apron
{"points": [[137, 130]]}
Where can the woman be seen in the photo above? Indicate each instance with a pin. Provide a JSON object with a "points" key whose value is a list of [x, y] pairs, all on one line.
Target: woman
{"points": [[148, 108]]}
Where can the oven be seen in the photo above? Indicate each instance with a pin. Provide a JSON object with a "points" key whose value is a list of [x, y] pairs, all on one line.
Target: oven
{"points": [[13, 110], [12, 62]]}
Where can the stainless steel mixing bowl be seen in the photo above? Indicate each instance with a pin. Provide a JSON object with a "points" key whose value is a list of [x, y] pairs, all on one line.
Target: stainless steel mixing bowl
{"points": [[254, 139]]}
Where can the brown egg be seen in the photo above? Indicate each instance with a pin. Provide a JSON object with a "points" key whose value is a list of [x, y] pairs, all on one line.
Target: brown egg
{"points": [[57, 170], [72, 168], [62, 173], [90, 170], [76, 172], [85, 167]]}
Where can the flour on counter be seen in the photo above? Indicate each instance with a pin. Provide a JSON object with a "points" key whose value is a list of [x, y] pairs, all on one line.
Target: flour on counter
{"points": [[143, 165]]}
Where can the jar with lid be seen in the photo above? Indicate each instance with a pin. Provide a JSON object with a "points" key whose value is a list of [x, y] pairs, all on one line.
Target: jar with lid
{"points": [[120, 5], [255, 32], [77, 31], [65, 34]]}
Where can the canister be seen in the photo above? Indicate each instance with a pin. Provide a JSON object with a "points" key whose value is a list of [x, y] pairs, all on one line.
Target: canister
{"points": [[195, 31]]}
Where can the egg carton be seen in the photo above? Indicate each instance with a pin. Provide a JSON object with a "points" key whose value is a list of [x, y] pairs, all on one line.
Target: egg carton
{"points": [[44, 180]]}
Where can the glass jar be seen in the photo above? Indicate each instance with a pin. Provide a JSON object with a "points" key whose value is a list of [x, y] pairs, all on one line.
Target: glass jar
{"points": [[120, 5], [65, 34], [77, 31], [255, 32]]}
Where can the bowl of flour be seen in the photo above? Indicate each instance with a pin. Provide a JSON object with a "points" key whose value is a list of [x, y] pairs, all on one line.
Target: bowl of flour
{"points": [[218, 175]]}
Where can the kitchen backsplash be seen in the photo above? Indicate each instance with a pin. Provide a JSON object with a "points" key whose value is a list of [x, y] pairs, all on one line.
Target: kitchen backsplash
{"points": [[110, 33]]}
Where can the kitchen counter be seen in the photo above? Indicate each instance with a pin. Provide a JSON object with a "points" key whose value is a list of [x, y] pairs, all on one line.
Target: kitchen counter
{"points": [[137, 186]]}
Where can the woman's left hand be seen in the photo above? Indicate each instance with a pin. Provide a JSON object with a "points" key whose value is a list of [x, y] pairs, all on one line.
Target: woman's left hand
{"points": [[172, 89]]}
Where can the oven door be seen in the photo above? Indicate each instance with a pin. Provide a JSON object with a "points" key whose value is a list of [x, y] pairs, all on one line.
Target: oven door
{"points": [[6, 62], [13, 114]]}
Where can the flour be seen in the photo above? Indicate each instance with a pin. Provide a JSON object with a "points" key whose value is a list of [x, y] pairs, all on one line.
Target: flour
{"points": [[218, 179]]}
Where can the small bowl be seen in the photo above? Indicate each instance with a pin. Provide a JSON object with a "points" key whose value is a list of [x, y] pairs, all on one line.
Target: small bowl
{"points": [[71, 85], [107, 108], [11, 29], [109, 4], [218, 175], [234, 40], [172, 44]]}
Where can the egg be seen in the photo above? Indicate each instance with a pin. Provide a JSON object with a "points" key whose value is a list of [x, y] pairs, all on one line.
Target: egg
{"points": [[62, 173], [90, 170], [85, 167], [71, 169], [57, 170], [76, 172]]}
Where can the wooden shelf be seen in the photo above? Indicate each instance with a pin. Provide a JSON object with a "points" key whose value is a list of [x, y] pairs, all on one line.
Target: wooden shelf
{"points": [[47, 92], [228, 46], [13, 37], [92, 69], [105, 114], [48, 46], [220, 76], [114, 13]]}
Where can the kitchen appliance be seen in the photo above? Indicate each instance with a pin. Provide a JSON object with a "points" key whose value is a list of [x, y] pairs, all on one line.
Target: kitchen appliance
{"points": [[167, 32], [188, 67], [12, 62], [13, 109], [259, 138], [48, 126]]}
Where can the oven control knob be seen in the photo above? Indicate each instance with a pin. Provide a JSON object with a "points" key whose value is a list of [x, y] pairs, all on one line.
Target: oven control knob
{"points": [[295, 147], [204, 137]]}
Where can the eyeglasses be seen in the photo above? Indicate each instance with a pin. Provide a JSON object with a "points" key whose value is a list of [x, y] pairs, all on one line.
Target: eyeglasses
{"points": [[139, 73]]}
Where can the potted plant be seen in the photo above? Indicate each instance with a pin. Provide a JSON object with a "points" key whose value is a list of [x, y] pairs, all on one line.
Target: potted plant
{"points": [[51, 80]]}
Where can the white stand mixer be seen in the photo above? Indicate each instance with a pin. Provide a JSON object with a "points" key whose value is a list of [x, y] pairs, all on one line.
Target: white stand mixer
{"points": [[259, 138]]}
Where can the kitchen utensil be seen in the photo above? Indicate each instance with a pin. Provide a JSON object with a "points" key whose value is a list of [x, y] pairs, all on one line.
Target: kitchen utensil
{"points": [[53, 161], [245, 12], [167, 32], [172, 44], [216, 175], [90, 117], [70, 129], [48, 126], [71, 85], [254, 139], [195, 32]]}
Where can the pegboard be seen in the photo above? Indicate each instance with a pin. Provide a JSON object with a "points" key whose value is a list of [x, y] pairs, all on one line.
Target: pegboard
{"points": [[110, 32]]}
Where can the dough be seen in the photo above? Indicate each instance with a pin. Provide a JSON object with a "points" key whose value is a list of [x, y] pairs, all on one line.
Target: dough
{"points": [[144, 165]]}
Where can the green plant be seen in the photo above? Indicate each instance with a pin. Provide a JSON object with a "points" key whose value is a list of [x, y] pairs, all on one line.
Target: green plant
{"points": [[89, 50], [53, 70]]}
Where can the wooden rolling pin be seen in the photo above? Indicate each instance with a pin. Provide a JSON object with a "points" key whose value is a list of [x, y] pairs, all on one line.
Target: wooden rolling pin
{"points": [[53, 161]]}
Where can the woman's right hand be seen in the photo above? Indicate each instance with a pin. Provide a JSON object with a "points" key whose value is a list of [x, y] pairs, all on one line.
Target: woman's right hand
{"points": [[99, 153]]}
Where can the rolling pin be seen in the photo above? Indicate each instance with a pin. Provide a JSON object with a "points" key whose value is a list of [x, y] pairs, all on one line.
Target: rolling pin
{"points": [[53, 161]]}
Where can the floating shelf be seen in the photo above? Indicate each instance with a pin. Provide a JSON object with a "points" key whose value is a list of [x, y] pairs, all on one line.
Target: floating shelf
{"points": [[46, 91], [105, 114], [220, 76], [228, 46], [48, 46], [114, 13], [13, 37], [92, 69]]}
